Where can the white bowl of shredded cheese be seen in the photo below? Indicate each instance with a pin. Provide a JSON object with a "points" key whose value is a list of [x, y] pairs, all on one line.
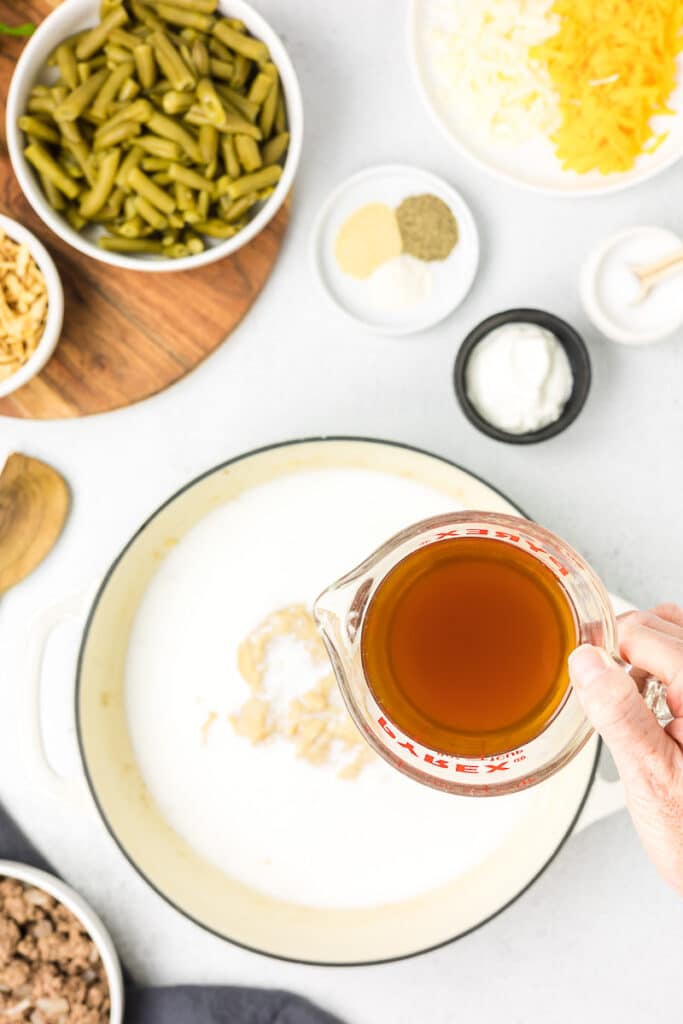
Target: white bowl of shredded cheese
{"points": [[29, 281], [499, 107]]}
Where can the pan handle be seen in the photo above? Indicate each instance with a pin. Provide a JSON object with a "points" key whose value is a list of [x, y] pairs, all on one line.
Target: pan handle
{"points": [[606, 794], [40, 771]]}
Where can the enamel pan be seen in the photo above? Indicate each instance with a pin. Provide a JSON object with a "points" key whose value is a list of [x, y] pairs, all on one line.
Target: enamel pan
{"points": [[201, 891]]}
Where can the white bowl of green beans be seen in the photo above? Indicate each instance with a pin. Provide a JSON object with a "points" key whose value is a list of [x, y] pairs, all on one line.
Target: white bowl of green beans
{"points": [[154, 135]]}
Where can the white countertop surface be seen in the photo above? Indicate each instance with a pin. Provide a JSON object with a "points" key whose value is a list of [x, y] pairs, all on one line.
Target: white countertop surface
{"points": [[599, 933]]}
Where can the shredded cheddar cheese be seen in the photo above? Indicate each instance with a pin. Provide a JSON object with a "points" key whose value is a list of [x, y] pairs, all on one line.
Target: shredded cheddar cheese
{"points": [[613, 64]]}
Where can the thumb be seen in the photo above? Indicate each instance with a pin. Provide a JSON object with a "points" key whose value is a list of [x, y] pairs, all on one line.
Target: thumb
{"points": [[616, 709]]}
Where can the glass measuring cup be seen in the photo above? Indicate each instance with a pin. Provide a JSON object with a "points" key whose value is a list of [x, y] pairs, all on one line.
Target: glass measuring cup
{"points": [[341, 610]]}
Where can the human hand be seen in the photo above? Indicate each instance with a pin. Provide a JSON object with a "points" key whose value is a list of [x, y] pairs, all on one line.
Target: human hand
{"points": [[648, 757]]}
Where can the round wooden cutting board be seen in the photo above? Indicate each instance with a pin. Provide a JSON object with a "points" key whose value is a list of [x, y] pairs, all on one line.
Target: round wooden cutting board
{"points": [[126, 335]]}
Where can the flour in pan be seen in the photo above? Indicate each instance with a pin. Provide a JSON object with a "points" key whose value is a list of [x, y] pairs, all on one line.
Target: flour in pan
{"points": [[291, 829]]}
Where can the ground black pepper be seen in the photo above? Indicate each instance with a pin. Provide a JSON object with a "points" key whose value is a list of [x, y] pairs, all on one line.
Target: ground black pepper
{"points": [[429, 231]]}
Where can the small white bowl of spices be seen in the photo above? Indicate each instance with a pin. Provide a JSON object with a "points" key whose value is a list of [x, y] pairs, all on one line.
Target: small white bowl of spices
{"points": [[395, 248], [522, 376], [630, 285], [31, 306]]}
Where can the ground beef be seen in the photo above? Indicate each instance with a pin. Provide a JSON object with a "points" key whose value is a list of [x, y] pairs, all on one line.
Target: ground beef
{"points": [[50, 969]]}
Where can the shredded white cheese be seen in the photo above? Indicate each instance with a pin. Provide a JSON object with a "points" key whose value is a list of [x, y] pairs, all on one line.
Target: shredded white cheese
{"points": [[481, 59]]}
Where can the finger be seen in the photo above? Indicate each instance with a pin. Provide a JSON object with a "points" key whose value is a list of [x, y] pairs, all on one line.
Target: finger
{"points": [[651, 620], [670, 613], [659, 653], [618, 712], [675, 730]]}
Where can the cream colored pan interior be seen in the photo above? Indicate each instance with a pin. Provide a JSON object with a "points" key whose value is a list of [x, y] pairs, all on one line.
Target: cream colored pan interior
{"points": [[194, 886]]}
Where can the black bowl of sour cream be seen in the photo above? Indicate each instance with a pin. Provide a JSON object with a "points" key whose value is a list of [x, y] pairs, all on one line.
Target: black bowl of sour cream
{"points": [[522, 376]]}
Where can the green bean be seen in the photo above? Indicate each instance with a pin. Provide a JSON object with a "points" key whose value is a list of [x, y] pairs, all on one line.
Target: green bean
{"points": [[146, 16], [59, 93], [129, 163], [68, 68], [208, 143], [171, 63], [176, 220], [159, 147], [81, 155], [95, 39], [40, 159], [200, 58], [84, 71], [132, 227], [232, 123], [74, 218], [112, 208], [239, 102], [107, 5], [162, 178], [221, 69], [168, 129], [241, 72], [280, 115], [52, 193], [253, 182], [119, 37], [110, 87], [275, 148], [146, 188], [183, 196], [252, 49], [176, 102], [154, 163], [140, 111], [81, 97], [66, 160], [130, 210], [40, 105], [230, 161], [248, 153], [267, 118], [39, 129], [176, 250], [215, 228], [121, 132], [146, 67], [210, 102], [240, 206], [93, 201], [129, 90], [194, 243], [116, 55], [184, 51], [216, 49], [129, 245], [190, 178], [40, 90], [204, 6], [260, 88], [69, 131], [203, 204], [185, 17], [150, 213]]}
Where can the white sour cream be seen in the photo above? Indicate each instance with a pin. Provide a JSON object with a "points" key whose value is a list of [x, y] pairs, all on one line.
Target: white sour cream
{"points": [[518, 378]]}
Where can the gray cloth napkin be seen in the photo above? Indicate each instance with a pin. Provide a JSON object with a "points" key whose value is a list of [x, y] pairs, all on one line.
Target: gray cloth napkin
{"points": [[183, 1004]]}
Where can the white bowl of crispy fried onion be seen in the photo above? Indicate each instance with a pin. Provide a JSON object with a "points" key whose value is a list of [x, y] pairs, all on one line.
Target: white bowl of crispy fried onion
{"points": [[31, 306]]}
